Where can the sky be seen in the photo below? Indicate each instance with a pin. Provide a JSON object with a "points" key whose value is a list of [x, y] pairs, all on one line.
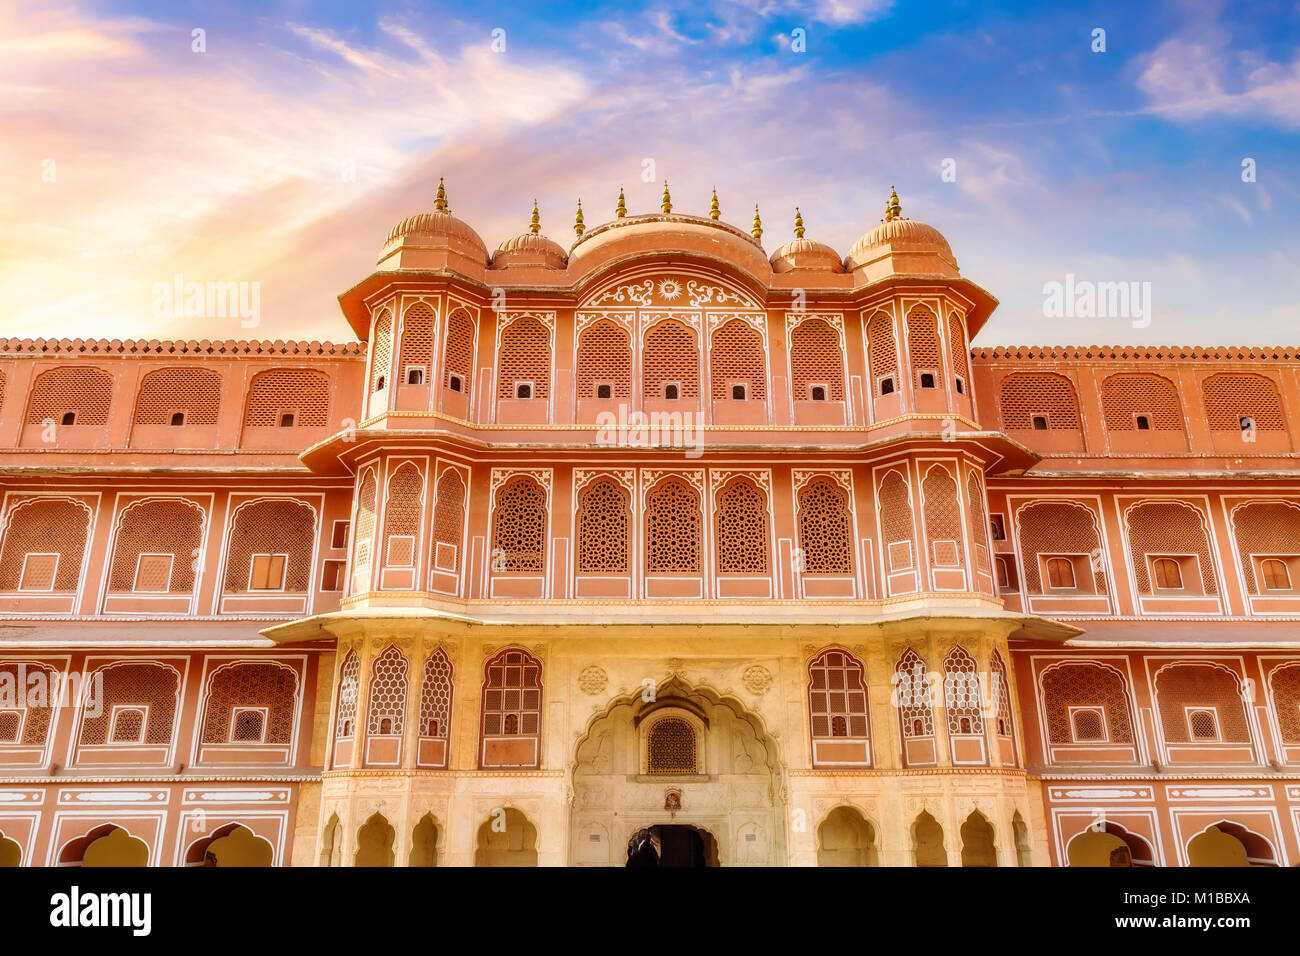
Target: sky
{"points": [[278, 145]]}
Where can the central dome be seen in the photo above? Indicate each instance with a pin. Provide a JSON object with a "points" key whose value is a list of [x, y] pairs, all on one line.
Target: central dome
{"points": [[437, 231], [901, 246], [530, 249]]}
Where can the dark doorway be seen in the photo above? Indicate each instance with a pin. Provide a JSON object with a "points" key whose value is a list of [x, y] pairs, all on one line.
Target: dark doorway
{"points": [[671, 845]]}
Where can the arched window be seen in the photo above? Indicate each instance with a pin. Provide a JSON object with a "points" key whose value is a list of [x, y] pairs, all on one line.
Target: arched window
{"points": [[837, 697], [670, 357], [673, 528], [525, 359], [386, 712], [1167, 574], [1057, 527], [603, 521], [1002, 690], [288, 398], [1077, 688], [403, 507], [270, 547], [957, 351], [1169, 527], [157, 547], [139, 702], [979, 524], [435, 696], [1130, 396], [671, 747], [825, 528], [448, 521], [349, 683], [192, 393], [240, 692], [915, 696], [1284, 682], [1184, 689], [896, 522], [26, 716], [604, 362], [415, 360], [737, 357], [512, 708], [364, 537], [44, 543], [1267, 528], [927, 841], [519, 527], [943, 529], [458, 354], [381, 352], [1230, 398], [961, 694], [883, 353], [816, 361], [741, 528], [923, 348], [84, 394], [1038, 400]]}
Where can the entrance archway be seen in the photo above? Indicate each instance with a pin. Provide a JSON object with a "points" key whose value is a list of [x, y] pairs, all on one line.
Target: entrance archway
{"points": [[672, 845], [375, 842], [1229, 844], [506, 838], [724, 778], [231, 845], [1108, 845], [107, 845], [845, 838]]}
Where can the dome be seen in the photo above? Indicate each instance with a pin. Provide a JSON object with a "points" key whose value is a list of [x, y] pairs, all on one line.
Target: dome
{"points": [[437, 231], [530, 249], [804, 255], [901, 246]]}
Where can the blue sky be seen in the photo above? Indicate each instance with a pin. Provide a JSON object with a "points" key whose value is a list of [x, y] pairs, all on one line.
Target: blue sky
{"points": [[1117, 166]]}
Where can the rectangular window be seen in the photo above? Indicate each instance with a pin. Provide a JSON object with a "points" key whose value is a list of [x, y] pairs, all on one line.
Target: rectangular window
{"points": [[39, 569], [332, 575], [401, 551], [415, 375], [339, 535], [267, 572], [153, 573], [1202, 724]]}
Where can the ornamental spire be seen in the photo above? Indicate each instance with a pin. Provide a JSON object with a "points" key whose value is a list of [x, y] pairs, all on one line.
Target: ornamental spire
{"points": [[666, 203], [757, 230], [894, 210], [535, 224], [715, 212], [798, 223], [578, 226], [440, 200], [621, 209]]}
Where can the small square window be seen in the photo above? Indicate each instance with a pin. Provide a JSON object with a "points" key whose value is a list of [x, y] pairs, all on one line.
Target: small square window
{"points": [[738, 393], [1088, 725], [961, 386], [454, 383], [1143, 423], [339, 535], [523, 390], [415, 376], [286, 419], [69, 418], [247, 726], [604, 390], [379, 384], [927, 380], [671, 391], [817, 393], [886, 386], [127, 725], [1040, 423], [178, 419], [1060, 574], [1203, 725], [1275, 574], [153, 573]]}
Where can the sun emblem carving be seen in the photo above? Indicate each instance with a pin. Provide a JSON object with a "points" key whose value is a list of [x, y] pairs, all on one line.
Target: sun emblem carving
{"points": [[670, 289], [592, 680], [757, 679]]}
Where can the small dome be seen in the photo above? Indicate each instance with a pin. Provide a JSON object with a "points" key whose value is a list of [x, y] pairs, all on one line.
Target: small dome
{"points": [[805, 255], [530, 249], [902, 235], [439, 229]]}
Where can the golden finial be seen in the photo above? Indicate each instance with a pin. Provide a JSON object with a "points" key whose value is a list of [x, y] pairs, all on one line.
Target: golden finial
{"points": [[666, 203], [578, 227], [535, 224], [714, 211], [798, 223], [621, 209], [757, 231], [440, 200], [895, 209]]}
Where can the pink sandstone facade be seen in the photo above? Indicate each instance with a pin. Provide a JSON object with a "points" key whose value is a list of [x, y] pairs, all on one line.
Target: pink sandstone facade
{"points": [[656, 535]]}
